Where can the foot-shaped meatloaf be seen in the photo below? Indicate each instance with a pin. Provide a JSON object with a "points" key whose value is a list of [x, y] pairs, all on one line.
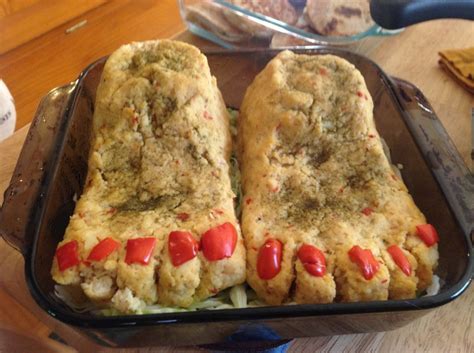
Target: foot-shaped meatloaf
{"points": [[324, 216], [155, 223]]}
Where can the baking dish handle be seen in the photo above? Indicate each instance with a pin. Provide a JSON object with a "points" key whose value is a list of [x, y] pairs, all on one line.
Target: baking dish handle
{"points": [[445, 162], [23, 195]]}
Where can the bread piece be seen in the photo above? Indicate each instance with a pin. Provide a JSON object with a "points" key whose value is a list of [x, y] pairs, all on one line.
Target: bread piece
{"points": [[314, 172], [280, 10], [210, 15], [158, 163], [339, 18]]}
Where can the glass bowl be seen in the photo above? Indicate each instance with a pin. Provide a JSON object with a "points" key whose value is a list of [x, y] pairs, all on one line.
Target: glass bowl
{"points": [[235, 27]]}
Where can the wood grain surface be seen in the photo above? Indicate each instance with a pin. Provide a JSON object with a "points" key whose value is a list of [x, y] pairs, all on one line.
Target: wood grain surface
{"points": [[8, 7], [32, 21], [55, 58]]}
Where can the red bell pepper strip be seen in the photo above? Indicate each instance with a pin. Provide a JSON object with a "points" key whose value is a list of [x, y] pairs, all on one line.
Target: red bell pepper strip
{"points": [[103, 249], [182, 247], [219, 242], [400, 259], [269, 259], [428, 234], [367, 211], [365, 260], [139, 250], [313, 260], [67, 255]]}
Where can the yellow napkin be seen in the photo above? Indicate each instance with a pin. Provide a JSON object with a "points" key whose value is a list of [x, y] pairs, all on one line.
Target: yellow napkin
{"points": [[460, 64]]}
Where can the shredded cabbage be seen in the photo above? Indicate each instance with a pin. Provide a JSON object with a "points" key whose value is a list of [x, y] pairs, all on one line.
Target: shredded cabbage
{"points": [[234, 163], [434, 287], [238, 296], [235, 184]]}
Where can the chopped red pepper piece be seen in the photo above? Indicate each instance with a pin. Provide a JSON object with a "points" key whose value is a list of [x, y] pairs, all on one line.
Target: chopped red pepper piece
{"points": [[183, 216], [367, 211], [68, 255], [103, 249], [269, 259], [362, 95], [428, 234], [219, 242], [400, 259], [139, 250], [313, 260], [207, 115], [182, 247], [365, 260]]}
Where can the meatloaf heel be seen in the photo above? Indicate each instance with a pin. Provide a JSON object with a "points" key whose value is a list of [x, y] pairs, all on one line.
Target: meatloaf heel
{"points": [[316, 181], [158, 180]]}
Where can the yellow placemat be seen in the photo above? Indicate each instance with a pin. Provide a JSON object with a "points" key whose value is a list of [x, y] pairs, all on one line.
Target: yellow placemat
{"points": [[460, 64]]}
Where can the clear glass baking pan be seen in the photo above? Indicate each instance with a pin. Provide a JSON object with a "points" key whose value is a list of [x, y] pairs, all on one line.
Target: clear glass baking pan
{"points": [[52, 168], [232, 24]]}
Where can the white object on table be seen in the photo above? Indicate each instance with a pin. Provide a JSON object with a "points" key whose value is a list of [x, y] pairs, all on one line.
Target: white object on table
{"points": [[7, 112]]}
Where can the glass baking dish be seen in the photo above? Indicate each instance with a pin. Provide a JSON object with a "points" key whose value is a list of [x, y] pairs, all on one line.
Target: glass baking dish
{"points": [[53, 165], [232, 26]]}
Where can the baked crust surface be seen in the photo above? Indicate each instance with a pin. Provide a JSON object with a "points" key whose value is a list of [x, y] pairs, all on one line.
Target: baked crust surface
{"points": [[158, 163], [311, 162]]}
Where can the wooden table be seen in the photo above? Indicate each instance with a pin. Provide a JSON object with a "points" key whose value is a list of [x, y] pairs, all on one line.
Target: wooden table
{"points": [[56, 58]]}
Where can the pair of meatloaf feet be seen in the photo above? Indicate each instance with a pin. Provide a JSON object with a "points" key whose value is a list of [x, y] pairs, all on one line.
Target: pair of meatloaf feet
{"points": [[324, 217]]}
